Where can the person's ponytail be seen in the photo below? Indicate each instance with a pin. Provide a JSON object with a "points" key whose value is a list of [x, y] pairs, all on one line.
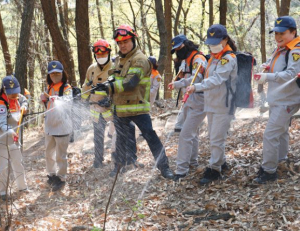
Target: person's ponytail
{"points": [[231, 43]]}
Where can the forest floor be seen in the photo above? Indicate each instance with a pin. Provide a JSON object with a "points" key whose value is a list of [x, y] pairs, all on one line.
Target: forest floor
{"points": [[143, 200]]}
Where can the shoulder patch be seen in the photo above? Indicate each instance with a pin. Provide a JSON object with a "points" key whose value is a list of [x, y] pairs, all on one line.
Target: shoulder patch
{"points": [[296, 56], [224, 61], [195, 65], [158, 79], [2, 110]]}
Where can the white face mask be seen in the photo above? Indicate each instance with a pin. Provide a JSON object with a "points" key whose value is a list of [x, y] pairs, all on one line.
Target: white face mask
{"points": [[216, 48], [101, 61]]}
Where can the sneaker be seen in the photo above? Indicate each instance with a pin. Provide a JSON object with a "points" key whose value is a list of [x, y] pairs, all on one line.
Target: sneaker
{"points": [[50, 180], [263, 177], [167, 173], [179, 176], [138, 164], [57, 184], [209, 176]]}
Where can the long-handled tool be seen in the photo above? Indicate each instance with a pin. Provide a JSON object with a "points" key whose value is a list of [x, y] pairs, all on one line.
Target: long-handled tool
{"points": [[175, 79], [186, 95], [16, 138]]}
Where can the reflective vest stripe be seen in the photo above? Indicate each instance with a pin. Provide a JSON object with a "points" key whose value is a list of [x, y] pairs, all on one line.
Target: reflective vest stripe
{"points": [[100, 93], [119, 86], [84, 96], [133, 107]]}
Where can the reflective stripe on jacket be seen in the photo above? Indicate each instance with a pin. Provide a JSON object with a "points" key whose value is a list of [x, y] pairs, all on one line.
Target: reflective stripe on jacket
{"points": [[132, 85]]}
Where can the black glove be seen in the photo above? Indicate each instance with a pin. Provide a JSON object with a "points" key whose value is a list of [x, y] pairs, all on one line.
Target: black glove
{"points": [[298, 82], [104, 102]]}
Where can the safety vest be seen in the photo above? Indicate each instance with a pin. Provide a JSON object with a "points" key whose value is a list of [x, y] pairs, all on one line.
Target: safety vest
{"points": [[13, 104], [54, 90], [132, 101]]}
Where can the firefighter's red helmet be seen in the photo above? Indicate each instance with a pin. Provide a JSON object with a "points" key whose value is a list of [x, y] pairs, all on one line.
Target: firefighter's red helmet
{"points": [[101, 46], [124, 32]]}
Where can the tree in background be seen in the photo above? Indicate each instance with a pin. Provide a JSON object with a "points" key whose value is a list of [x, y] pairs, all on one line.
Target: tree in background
{"points": [[7, 59], [62, 51], [83, 38], [22, 52], [223, 12]]}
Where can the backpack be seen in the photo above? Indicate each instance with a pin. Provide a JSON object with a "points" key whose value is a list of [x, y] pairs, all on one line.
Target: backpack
{"points": [[243, 96], [287, 60], [76, 92]]}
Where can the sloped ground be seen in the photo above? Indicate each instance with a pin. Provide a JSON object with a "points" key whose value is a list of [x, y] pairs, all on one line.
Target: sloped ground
{"points": [[143, 200]]}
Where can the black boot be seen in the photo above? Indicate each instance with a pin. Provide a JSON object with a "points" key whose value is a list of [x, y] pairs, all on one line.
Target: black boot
{"points": [[57, 184], [263, 177], [98, 164], [209, 176], [50, 180], [167, 173], [114, 172], [179, 176], [224, 167]]}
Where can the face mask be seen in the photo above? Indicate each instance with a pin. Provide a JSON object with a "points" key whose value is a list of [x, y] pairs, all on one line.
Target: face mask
{"points": [[182, 53], [102, 61], [215, 49]]}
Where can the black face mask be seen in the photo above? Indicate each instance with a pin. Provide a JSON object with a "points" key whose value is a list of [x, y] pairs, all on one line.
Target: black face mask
{"points": [[182, 53]]}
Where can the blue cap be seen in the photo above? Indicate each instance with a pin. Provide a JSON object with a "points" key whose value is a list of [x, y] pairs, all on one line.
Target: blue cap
{"points": [[215, 34], [283, 23], [55, 66], [153, 60], [177, 41], [11, 85]]}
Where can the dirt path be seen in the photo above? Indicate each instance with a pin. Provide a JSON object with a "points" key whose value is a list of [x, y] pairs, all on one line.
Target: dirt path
{"points": [[143, 200]]}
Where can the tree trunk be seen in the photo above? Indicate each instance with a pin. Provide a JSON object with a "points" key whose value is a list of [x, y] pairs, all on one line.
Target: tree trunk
{"points": [[7, 59], [83, 37], [168, 67], [201, 32], [22, 52], [145, 27], [263, 31], [177, 18], [112, 20], [63, 54], [211, 12], [285, 7], [223, 12], [161, 25], [278, 7], [100, 19]]}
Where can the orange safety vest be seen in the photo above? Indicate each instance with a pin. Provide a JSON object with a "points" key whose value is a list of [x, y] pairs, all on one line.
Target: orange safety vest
{"points": [[14, 105]]}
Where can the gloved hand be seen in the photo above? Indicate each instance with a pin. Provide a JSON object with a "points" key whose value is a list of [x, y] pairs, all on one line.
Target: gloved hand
{"points": [[101, 87], [171, 86], [53, 98], [260, 78]]}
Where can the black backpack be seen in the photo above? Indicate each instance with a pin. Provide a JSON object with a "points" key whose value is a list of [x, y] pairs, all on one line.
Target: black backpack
{"points": [[243, 96], [76, 92]]}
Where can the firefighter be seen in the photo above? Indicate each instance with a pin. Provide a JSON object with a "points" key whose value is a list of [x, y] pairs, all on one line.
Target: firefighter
{"points": [[192, 111], [219, 82], [284, 101], [100, 107], [155, 80], [11, 104], [131, 92]]}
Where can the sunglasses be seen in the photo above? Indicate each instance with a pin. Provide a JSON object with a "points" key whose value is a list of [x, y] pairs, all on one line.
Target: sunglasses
{"points": [[100, 49], [122, 32]]}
